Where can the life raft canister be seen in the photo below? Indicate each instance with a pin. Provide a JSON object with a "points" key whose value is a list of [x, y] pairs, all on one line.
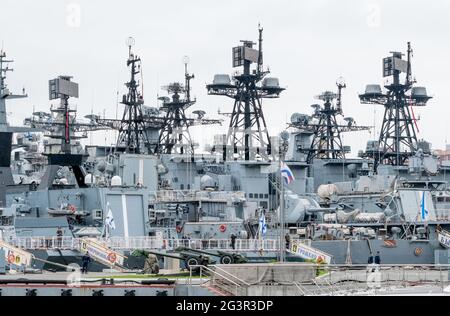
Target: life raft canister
{"points": [[11, 258], [222, 228], [418, 251], [112, 257]]}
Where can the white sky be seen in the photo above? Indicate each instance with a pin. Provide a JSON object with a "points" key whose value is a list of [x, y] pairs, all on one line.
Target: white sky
{"points": [[307, 44]]}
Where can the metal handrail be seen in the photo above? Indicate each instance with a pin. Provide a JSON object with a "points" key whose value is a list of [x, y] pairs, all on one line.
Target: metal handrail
{"points": [[145, 242], [302, 291], [211, 270], [201, 267], [232, 275]]}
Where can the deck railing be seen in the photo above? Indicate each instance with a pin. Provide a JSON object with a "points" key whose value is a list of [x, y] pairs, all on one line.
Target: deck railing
{"points": [[145, 243]]}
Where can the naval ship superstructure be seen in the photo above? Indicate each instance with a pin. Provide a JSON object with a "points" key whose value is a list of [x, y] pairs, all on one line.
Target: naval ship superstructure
{"points": [[391, 198], [396, 202]]}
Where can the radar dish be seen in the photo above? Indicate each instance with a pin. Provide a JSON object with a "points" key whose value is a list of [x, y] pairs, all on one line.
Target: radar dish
{"points": [[200, 114]]}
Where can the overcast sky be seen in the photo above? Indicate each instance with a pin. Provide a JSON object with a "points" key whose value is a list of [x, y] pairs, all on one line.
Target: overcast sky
{"points": [[307, 44]]}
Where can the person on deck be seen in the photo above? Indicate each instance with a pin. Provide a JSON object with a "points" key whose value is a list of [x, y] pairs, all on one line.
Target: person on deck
{"points": [[85, 260], [59, 235], [233, 241], [378, 258], [287, 237]]}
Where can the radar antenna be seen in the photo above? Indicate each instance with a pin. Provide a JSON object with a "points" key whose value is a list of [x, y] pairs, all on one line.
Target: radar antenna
{"points": [[398, 137], [247, 135], [323, 125], [133, 136]]}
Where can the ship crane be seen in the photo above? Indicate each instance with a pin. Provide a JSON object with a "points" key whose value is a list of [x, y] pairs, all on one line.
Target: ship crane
{"points": [[324, 126]]}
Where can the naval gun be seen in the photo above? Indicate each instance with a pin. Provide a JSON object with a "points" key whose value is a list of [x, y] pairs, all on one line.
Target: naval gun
{"points": [[195, 257], [224, 257], [190, 259]]}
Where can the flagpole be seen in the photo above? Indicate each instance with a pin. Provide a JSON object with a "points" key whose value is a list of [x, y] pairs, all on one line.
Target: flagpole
{"points": [[281, 216], [282, 223]]}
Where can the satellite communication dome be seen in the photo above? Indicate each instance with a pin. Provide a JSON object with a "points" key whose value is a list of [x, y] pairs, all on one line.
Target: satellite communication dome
{"points": [[419, 92], [206, 182], [325, 191], [116, 181], [221, 79], [271, 83], [373, 89], [284, 135]]}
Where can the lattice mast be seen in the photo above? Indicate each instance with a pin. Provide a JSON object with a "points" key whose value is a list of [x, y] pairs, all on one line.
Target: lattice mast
{"points": [[327, 142], [325, 128], [247, 133], [398, 135], [174, 136], [132, 136]]}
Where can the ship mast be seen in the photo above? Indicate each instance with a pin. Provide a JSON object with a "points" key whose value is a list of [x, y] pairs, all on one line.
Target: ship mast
{"points": [[324, 126], [247, 135], [398, 136], [174, 136], [6, 131], [133, 136]]}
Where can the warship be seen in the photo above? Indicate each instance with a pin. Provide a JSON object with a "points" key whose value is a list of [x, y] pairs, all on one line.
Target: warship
{"points": [[392, 198]]}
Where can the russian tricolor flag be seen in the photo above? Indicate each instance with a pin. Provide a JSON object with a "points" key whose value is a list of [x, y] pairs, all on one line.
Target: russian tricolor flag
{"points": [[286, 173]]}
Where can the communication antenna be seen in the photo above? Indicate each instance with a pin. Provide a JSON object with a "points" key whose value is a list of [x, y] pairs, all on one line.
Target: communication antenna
{"points": [[247, 135], [130, 42], [325, 127], [174, 136], [398, 135], [133, 137]]}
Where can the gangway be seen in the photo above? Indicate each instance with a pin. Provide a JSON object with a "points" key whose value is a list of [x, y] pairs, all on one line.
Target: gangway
{"points": [[21, 259], [101, 253], [306, 252]]}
